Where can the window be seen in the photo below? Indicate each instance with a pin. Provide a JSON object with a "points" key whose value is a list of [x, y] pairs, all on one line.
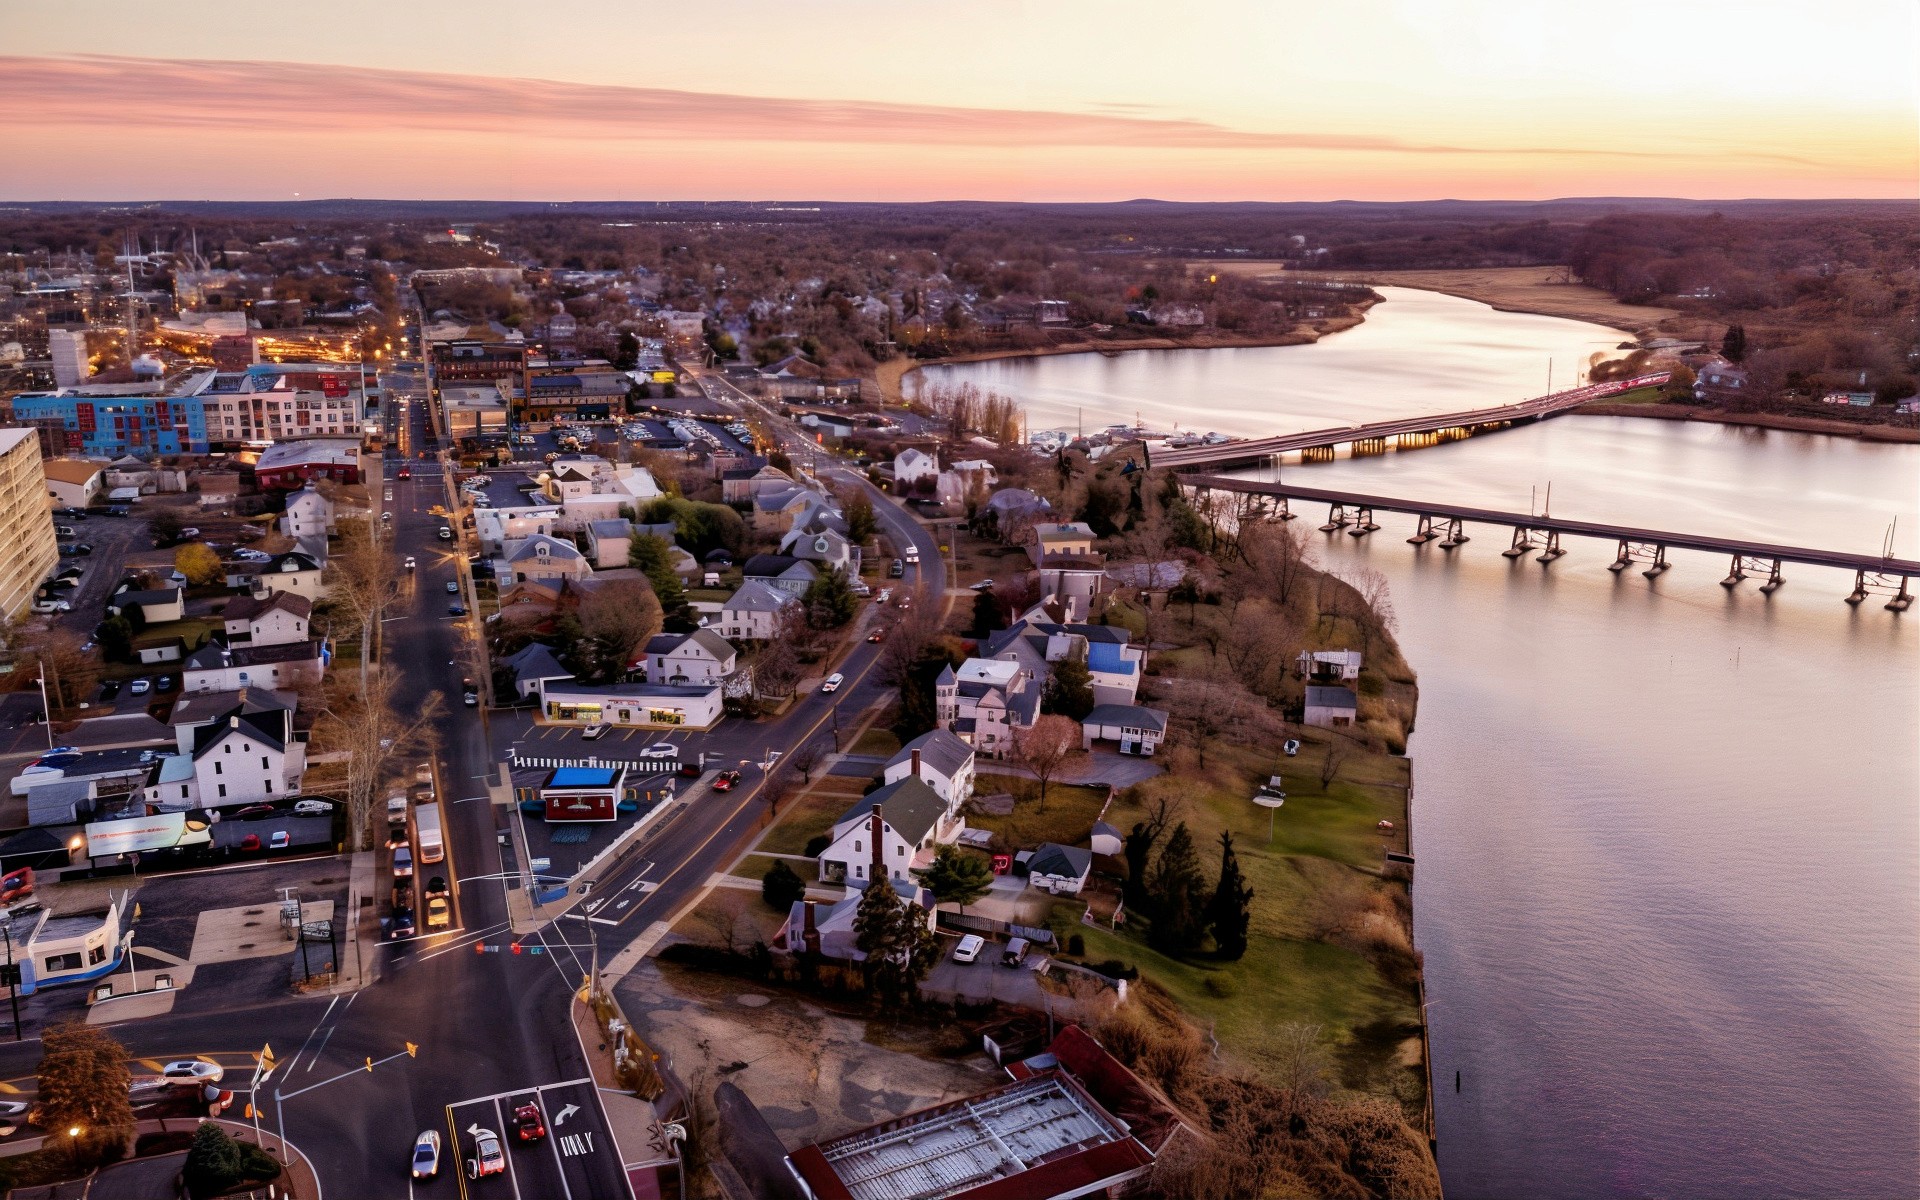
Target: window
{"points": [[899, 851], [62, 962], [223, 791], [217, 766], [96, 955], [856, 845], [263, 763], [183, 791]]}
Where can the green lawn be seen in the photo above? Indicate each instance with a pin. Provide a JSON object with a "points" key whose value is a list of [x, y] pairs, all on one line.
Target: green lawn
{"points": [[876, 740], [1325, 856], [755, 866], [804, 818], [1067, 818]]}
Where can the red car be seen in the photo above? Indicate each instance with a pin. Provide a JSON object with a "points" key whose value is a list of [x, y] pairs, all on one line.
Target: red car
{"points": [[878, 635], [406, 472], [17, 885], [527, 1123], [724, 781], [250, 842]]}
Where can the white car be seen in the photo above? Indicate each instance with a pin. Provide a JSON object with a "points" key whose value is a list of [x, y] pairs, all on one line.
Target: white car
{"points": [[193, 1070], [969, 948], [411, 564], [661, 750], [312, 808], [52, 606], [488, 1158], [426, 1155], [595, 731], [833, 682]]}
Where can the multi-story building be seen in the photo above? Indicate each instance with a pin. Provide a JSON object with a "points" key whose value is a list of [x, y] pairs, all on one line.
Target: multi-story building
{"points": [[26, 520], [465, 360], [198, 411]]}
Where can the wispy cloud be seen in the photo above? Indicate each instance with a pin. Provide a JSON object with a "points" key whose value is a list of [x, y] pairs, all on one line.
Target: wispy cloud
{"points": [[303, 98]]}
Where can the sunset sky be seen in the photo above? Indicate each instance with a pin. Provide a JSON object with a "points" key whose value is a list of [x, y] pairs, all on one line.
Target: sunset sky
{"points": [[909, 100]]}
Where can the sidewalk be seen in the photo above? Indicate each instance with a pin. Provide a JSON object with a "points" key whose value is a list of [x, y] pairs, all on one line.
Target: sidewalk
{"points": [[297, 1179], [355, 968], [639, 1134]]}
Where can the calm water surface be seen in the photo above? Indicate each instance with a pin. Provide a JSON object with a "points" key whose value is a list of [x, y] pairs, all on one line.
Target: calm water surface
{"points": [[1669, 880]]}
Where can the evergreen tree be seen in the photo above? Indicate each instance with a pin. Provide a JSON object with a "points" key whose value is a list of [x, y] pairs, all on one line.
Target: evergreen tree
{"points": [[1178, 894], [1733, 344], [1230, 911], [1070, 690], [957, 877], [649, 554], [781, 888], [986, 613], [83, 1080], [1138, 850], [893, 934], [918, 711], [829, 601], [861, 523]]}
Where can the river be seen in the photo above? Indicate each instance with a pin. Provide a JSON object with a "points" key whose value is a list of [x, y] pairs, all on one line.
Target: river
{"points": [[1669, 864]]}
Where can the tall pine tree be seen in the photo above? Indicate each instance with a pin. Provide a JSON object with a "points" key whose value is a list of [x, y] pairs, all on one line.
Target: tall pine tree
{"points": [[1179, 896], [1231, 909], [1070, 690], [1733, 344]]}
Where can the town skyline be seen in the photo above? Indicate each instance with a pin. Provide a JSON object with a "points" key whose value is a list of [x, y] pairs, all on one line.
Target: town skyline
{"points": [[1476, 102]]}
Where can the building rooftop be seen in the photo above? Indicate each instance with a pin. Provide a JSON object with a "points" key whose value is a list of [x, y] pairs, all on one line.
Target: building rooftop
{"points": [[1331, 697], [583, 777]]}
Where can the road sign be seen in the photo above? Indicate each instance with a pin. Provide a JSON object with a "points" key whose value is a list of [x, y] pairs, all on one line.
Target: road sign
{"points": [[541, 864], [267, 1061], [560, 1118]]}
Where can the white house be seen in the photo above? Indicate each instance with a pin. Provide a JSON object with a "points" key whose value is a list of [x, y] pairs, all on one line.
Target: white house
{"points": [[910, 466], [218, 667], [308, 514], [782, 572], [1330, 666], [295, 571], [273, 620], [74, 482], [533, 665], [972, 479], [985, 702], [702, 656], [1331, 707], [541, 559], [826, 547], [246, 754], [497, 527], [941, 761], [153, 607], [1059, 870], [889, 833], [1113, 663], [829, 930], [753, 613], [1138, 729]]}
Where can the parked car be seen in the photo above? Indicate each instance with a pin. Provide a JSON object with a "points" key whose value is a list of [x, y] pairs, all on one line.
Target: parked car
{"points": [[456, 610], [690, 769], [833, 682], [410, 563], [254, 812], [140, 686], [488, 1157], [453, 587], [985, 585], [725, 781], [164, 684], [426, 1147], [193, 1070], [313, 808], [402, 862], [110, 689], [401, 926], [51, 606], [16, 885], [1015, 953], [446, 533], [281, 840], [595, 731], [1292, 747], [250, 843], [469, 693], [528, 1125], [661, 750], [191, 531], [969, 948], [439, 911], [896, 569]]}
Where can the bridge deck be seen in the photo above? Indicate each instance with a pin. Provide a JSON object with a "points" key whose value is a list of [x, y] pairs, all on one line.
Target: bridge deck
{"points": [[1258, 448], [1907, 568]]}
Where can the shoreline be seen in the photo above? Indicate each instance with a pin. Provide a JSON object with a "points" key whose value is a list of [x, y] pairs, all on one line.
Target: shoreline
{"points": [[1783, 422], [892, 374]]}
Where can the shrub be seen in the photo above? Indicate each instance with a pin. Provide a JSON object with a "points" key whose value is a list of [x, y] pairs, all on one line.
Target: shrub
{"points": [[1220, 987], [780, 887], [817, 844], [1076, 945]]}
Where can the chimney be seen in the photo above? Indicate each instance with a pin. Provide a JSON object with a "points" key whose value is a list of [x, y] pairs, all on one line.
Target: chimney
{"points": [[916, 764], [874, 826], [809, 933]]}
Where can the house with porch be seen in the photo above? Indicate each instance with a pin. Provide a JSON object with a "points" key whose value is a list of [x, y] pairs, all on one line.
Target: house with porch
{"points": [[235, 747], [541, 559], [702, 656], [889, 834], [985, 702], [273, 620], [940, 760], [754, 612], [1135, 728]]}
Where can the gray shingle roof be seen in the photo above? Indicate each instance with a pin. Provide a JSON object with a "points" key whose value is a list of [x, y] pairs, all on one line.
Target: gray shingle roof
{"points": [[1331, 697], [757, 595], [939, 750], [909, 805], [1051, 858], [557, 550], [1133, 716]]}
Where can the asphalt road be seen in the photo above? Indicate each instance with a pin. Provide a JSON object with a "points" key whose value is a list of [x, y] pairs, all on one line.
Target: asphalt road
{"points": [[492, 1029]]}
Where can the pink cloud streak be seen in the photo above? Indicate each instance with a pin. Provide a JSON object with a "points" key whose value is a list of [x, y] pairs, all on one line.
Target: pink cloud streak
{"points": [[296, 98]]}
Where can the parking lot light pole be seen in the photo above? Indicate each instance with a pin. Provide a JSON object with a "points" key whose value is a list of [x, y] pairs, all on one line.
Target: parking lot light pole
{"points": [[46, 711]]}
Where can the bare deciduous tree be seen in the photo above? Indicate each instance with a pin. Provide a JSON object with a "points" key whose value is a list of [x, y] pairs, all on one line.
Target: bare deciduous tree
{"points": [[618, 617], [1331, 763], [70, 672], [365, 720], [1276, 558], [1044, 747]]}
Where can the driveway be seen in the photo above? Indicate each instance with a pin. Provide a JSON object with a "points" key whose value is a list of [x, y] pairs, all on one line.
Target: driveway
{"points": [[984, 980]]}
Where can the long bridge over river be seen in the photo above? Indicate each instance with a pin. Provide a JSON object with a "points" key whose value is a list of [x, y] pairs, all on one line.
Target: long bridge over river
{"points": [[1446, 523], [1407, 431]]}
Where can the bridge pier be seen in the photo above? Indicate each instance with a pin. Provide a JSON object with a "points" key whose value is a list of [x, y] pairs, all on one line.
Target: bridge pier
{"points": [[1742, 564], [1363, 523], [1904, 600], [1552, 549], [1866, 582], [1659, 564], [1456, 534], [1424, 534], [1337, 518], [1522, 542], [1316, 454]]}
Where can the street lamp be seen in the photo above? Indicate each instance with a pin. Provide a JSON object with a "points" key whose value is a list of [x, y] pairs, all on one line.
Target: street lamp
{"points": [[73, 1145], [46, 712]]}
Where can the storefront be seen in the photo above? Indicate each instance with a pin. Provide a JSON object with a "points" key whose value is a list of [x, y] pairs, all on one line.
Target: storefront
{"points": [[631, 705]]}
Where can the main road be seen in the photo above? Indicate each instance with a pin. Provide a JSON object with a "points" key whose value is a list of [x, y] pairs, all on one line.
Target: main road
{"points": [[492, 1029]]}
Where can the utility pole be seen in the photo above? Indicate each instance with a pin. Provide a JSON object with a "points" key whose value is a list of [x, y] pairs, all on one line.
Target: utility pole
{"points": [[13, 980]]}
